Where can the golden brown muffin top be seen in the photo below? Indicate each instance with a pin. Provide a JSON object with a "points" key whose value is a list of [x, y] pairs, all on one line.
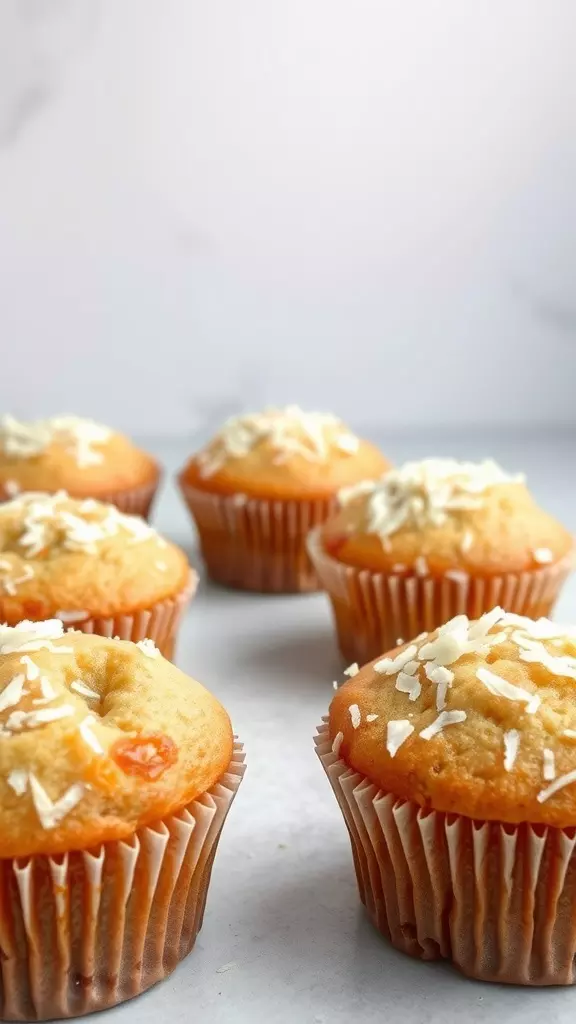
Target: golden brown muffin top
{"points": [[72, 559], [477, 718], [69, 453], [441, 516], [285, 454], [97, 737]]}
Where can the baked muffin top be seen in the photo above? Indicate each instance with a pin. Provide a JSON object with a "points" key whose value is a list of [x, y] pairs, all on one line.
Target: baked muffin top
{"points": [[477, 718], [72, 559], [285, 454], [440, 516], [71, 454], [97, 737]]}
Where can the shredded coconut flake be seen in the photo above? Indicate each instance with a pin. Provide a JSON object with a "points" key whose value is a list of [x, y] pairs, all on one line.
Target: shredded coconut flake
{"points": [[47, 690], [148, 647], [355, 715], [18, 781], [502, 688], [19, 720], [543, 555], [570, 734], [352, 669], [77, 686], [389, 666], [31, 669], [69, 617], [337, 743], [457, 575], [12, 694], [11, 488], [421, 566], [32, 636], [467, 541], [397, 732], [548, 765], [444, 719], [371, 718], [408, 684], [559, 783], [511, 744], [88, 736], [51, 813]]}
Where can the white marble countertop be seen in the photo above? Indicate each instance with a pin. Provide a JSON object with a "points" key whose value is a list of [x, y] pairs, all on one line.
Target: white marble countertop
{"points": [[285, 938]]}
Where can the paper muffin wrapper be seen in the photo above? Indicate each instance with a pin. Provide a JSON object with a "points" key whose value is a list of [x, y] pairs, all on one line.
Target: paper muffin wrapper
{"points": [[253, 544], [497, 900], [86, 930], [159, 623], [134, 501], [373, 610]]}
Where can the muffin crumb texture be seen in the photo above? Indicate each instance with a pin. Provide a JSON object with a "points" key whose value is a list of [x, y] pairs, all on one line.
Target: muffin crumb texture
{"points": [[97, 738], [77, 455], [74, 558], [288, 432], [81, 438], [441, 517], [477, 718], [285, 454]]}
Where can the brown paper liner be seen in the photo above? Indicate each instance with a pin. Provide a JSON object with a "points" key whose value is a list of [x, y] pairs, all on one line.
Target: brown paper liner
{"points": [[159, 623], [497, 900], [253, 544], [372, 610], [89, 929], [134, 501]]}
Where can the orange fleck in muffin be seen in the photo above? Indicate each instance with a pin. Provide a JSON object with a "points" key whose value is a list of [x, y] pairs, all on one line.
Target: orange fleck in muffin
{"points": [[454, 763], [91, 566], [261, 484], [430, 540], [116, 774], [78, 456]]}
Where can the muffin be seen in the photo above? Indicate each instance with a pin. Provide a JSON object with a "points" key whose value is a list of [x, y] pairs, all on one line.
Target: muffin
{"points": [[91, 566], [261, 484], [434, 539], [66, 453], [453, 760], [116, 774]]}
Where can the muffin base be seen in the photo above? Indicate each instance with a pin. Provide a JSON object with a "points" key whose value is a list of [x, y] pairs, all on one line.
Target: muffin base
{"points": [[372, 610], [87, 930], [251, 544], [159, 623], [497, 900]]}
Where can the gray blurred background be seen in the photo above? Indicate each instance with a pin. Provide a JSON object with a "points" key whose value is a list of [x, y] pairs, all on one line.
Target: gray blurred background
{"points": [[363, 206]]}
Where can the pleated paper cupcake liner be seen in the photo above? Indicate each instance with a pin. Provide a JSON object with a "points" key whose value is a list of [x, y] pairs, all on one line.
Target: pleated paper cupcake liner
{"points": [[253, 544], [159, 623], [497, 900], [373, 610], [134, 501], [87, 930]]}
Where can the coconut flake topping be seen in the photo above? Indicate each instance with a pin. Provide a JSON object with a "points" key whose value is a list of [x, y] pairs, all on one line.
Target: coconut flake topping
{"points": [[289, 431], [51, 520], [397, 732], [20, 440], [422, 494]]}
